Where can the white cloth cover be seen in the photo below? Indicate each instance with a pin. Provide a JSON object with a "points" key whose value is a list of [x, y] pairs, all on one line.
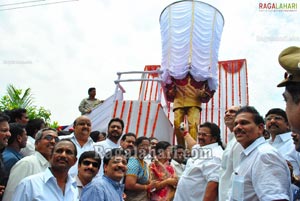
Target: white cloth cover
{"points": [[191, 33]]}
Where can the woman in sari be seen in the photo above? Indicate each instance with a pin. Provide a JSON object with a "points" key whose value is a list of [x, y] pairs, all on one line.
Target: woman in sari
{"points": [[137, 182], [162, 172]]}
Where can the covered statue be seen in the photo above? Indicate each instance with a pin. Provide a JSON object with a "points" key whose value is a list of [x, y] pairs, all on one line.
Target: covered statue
{"points": [[191, 33]]}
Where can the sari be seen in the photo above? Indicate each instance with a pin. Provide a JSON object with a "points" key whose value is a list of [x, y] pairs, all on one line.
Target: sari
{"points": [[161, 172]]}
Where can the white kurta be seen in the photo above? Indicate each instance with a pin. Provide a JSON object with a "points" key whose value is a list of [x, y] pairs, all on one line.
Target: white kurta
{"points": [[263, 174], [202, 168]]}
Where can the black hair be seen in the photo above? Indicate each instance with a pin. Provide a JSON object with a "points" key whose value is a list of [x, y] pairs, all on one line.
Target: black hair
{"points": [[33, 126], [118, 120], [4, 117], [139, 140], [214, 130], [90, 154], [279, 112], [91, 89], [66, 140], [179, 146], [250, 109], [161, 146], [15, 129], [114, 152], [123, 138], [94, 135], [17, 114]]}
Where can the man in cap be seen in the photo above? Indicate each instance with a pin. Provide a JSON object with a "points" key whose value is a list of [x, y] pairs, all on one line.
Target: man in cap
{"points": [[289, 59]]}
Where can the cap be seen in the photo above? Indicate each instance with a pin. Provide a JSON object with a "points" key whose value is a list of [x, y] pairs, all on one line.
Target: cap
{"points": [[289, 59]]}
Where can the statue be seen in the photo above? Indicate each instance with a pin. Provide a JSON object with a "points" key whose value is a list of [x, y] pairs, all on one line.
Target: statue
{"points": [[191, 33]]}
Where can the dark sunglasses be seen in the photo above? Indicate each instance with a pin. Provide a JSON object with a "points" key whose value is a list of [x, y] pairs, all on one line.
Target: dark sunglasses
{"points": [[50, 138], [87, 163]]}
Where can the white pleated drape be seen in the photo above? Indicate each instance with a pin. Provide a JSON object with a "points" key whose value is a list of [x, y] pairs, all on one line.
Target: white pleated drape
{"points": [[191, 33]]}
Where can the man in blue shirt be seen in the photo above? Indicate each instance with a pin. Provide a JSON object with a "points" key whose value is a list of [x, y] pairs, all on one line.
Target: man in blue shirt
{"points": [[17, 140], [108, 187]]}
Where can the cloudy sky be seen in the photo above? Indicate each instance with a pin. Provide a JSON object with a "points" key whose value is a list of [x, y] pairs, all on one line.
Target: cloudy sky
{"points": [[59, 50]]}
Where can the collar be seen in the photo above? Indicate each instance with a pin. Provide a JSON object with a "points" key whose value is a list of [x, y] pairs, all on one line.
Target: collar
{"points": [[13, 151], [254, 145], [213, 145], [174, 162], [115, 184], [78, 182], [109, 142], [283, 137], [42, 160], [49, 176]]}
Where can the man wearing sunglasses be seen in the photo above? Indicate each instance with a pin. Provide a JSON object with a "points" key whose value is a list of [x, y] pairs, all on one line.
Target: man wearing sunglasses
{"points": [[45, 140], [108, 187], [88, 167]]}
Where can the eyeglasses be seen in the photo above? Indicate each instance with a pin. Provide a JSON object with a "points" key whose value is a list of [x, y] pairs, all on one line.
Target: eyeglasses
{"points": [[204, 134], [87, 163], [276, 118], [50, 138]]}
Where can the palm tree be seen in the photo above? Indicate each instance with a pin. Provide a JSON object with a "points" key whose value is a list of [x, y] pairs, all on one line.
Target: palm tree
{"points": [[15, 98], [18, 100]]}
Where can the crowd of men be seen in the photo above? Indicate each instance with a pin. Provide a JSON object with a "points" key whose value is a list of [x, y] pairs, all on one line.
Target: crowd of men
{"points": [[36, 163]]}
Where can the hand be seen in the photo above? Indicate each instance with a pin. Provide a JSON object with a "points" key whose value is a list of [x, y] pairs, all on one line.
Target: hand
{"points": [[2, 188], [172, 181], [184, 129], [152, 185], [291, 170]]}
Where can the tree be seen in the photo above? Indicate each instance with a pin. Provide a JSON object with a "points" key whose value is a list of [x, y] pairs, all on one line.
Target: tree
{"points": [[15, 98]]}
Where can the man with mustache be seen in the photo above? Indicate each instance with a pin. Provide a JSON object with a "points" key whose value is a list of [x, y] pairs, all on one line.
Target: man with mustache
{"points": [[114, 133], [278, 126], [45, 140], [81, 138], [4, 136], [88, 167], [108, 187], [128, 143], [199, 180], [263, 173], [55, 183]]}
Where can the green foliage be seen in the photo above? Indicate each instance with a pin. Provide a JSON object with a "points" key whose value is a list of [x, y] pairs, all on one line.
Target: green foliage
{"points": [[16, 98]]}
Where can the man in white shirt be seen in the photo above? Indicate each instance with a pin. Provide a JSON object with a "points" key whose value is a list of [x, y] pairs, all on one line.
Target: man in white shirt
{"points": [[54, 183], [114, 133], [199, 180], [81, 138], [45, 140], [231, 155], [278, 126], [263, 174]]}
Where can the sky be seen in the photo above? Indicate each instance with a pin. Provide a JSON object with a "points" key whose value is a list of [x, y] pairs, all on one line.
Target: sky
{"points": [[59, 50]]}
